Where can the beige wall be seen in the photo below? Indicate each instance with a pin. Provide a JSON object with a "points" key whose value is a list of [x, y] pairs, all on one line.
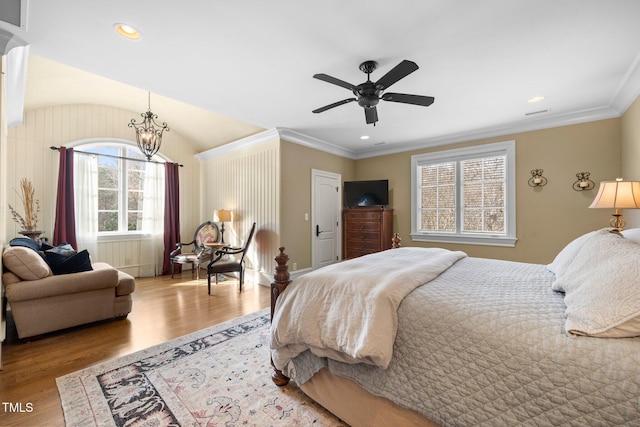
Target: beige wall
{"points": [[547, 217], [630, 129], [29, 156], [297, 163]]}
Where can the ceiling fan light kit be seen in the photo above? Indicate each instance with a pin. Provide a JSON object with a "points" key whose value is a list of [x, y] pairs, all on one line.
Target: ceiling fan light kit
{"points": [[368, 94]]}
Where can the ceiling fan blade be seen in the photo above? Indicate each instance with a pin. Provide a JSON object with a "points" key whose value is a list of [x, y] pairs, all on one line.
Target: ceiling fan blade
{"points": [[425, 101], [371, 114], [400, 71], [335, 104], [335, 81]]}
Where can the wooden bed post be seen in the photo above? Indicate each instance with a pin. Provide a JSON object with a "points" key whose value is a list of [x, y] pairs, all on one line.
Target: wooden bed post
{"points": [[395, 241], [281, 280]]}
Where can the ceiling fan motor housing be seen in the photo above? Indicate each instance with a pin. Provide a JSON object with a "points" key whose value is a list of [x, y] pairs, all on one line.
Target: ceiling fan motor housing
{"points": [[368, 101], [368, 95]]}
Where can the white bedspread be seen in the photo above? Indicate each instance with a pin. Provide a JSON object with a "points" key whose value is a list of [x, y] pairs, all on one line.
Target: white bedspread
{"points": [[348, 311]]}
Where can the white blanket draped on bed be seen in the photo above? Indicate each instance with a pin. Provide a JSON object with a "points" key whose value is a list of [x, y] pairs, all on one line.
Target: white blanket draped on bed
{"points": [[348, 311]]}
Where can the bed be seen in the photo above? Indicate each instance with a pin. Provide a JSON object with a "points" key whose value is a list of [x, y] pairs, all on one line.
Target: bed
{"points": [[474, 342]]}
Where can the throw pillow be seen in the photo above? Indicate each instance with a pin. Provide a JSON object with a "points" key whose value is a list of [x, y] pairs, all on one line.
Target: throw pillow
{"points": [[63, 248], [66, 264], [25, 263]]}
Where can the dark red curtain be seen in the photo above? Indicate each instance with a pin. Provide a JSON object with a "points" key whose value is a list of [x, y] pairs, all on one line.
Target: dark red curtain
{"points": [[64, 230], [171, 213]]}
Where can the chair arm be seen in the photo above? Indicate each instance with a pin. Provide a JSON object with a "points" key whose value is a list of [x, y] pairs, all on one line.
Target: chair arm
{"points": [[178, 248], [202, 251], [181, 244], [228, 250], [215, 259]]}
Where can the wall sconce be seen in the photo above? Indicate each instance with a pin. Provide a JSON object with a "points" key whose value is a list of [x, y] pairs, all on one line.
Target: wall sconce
{"points": [[537, 180], [583, 182]]}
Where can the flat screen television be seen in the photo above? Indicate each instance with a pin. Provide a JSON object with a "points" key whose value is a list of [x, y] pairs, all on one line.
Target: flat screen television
{"points": [[366, 193]]}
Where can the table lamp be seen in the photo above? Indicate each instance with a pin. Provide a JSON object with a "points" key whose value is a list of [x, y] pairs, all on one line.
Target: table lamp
{"points": [[618, 194], [222, 216]]}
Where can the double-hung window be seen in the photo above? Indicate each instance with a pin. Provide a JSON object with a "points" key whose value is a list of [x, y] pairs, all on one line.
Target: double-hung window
{"points": [[121, 178], [465, 195]]}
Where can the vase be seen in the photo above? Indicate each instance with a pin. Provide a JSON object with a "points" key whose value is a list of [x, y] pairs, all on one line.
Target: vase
{"points": [[32, 234]]}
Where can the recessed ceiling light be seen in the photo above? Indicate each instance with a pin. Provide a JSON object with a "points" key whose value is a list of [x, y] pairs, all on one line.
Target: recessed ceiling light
{"points": [[535, 99], [127, 31], [364, 137]]}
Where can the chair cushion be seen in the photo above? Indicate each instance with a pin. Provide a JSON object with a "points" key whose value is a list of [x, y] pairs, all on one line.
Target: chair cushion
{"points": [[191, 257], [225, 266], [25, 263]]}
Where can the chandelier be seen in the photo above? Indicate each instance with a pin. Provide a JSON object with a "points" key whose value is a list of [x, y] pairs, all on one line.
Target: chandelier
{"points": [[148, 132]]}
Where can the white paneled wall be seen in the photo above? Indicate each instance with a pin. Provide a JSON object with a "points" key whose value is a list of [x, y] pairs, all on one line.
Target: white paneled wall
{"points": [[29, 156], [248, 183]]}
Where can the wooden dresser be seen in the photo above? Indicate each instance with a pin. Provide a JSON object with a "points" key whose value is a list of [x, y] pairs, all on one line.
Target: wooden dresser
{"points": [[366, 230]]}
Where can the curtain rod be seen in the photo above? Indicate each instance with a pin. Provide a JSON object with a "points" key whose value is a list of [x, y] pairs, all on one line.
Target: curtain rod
{"points": [[113, 157]]}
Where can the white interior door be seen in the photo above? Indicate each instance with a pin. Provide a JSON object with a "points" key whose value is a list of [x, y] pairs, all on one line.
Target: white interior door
{"points": [[326, 205]]}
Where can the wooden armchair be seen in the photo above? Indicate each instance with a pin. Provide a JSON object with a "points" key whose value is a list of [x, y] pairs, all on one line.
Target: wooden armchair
{"points": [[223, 264], [207, 232]]}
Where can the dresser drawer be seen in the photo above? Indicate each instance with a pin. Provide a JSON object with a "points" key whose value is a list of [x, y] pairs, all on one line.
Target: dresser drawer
{"points": [[364, 245], [363, 226], [363, 235], [362, 216]]}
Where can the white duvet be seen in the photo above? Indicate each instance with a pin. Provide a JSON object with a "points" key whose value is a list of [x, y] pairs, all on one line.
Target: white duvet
{"points": [[348, 311]]}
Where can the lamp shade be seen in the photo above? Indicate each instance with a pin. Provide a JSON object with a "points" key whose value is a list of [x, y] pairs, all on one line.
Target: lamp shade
{"points": [[222, 215], [618, 194]]}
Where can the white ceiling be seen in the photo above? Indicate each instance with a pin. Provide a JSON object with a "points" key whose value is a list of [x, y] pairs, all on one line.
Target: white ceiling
{"points": [[206, 61]]}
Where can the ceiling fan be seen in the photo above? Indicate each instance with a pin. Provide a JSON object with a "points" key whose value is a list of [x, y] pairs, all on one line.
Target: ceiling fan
{"points": [[368, 94]]}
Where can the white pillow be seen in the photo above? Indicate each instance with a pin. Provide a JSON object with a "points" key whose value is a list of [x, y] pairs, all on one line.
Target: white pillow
{"points": [[602, 287], [565, 256], [632, 234]]}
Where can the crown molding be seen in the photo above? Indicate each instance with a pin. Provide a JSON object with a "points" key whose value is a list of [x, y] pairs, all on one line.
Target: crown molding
{"points": [[271, 135], [240, 144], [318, 144]]}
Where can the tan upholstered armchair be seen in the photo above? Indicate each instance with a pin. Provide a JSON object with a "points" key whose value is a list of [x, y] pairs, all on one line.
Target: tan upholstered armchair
{"points": [[198, 253], [222, 263]]}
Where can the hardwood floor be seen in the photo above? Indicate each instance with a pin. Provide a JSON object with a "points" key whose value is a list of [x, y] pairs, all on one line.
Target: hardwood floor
{"points": [[163, 308]]}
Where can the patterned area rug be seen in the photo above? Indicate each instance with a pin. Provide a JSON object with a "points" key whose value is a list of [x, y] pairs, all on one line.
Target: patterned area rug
{"points": [[219, 376]]}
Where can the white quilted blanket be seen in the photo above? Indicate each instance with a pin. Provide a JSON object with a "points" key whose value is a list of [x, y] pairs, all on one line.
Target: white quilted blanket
{"points": [[348, 311]]}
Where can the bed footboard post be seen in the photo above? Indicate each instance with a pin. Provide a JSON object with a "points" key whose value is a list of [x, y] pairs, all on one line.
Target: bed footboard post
{"points": [[281, 280], [395, 241]]}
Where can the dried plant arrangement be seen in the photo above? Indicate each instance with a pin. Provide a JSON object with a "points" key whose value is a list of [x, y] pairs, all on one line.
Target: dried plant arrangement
{"points": [[31, 206]]}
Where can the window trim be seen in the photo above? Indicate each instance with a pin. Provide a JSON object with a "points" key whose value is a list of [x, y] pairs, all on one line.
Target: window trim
{"points": [[485, 150]]}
